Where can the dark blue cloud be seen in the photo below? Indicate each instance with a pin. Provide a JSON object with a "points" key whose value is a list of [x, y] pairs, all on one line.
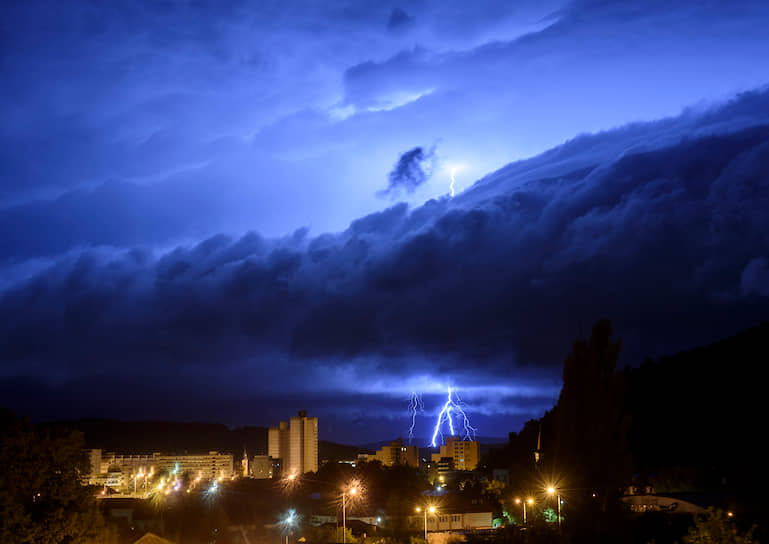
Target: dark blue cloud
{"points": [[659, 226], [414, 168], [399, 20], [253, 106], [755, 277], [140, 141]]}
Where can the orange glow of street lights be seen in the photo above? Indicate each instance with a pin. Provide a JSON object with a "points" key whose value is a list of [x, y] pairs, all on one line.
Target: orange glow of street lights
{"points": [[551, 490], [352, 489], [430, 509], [528, 501], [290, 481]]}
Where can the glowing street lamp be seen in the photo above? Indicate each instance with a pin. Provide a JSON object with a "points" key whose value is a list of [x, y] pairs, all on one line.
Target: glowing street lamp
{"points": [[290, 481], [351, 490], [289, 523], [553, 491], [519, 501], [136, 478], [432, 511]]}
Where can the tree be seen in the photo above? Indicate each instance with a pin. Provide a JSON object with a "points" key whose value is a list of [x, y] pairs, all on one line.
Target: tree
{"points": [[493, 489], [715, 527], [591, 422], [42, 500]]}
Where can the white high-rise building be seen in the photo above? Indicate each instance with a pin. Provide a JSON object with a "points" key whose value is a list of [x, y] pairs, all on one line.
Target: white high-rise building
{"points": [[296, 445], [277, 442], [303, 456]]}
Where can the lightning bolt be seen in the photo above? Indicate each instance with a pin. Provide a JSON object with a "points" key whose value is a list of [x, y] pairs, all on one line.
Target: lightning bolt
{"points": [[445, 415], [469, 429], [415, 405], [451, 185]]}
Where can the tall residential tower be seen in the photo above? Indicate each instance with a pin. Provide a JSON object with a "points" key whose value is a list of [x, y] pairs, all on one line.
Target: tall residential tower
{"points": [[296, 444]]}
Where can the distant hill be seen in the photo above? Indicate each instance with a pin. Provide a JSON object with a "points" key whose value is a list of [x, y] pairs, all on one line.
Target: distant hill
{"points": [[694, 422], [701, 407], [135, 437], [332, 451]]}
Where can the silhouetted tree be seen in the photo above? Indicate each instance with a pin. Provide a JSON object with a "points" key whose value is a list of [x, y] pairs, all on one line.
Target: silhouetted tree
{"points": [[42, 500], [715, 527], [591, 425]]}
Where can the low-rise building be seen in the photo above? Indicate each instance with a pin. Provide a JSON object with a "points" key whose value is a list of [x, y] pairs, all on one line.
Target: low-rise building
{"points": [[398, 454], [131, 473], [454, 513], [661, 503], [261, 467], [465, 454], [208, 466], [454, 520]]}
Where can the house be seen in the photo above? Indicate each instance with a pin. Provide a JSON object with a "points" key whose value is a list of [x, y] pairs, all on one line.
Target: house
{"points": [[660, 503], [454, 514]]}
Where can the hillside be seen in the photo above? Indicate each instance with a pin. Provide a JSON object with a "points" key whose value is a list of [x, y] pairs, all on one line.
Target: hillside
{"points": [[135, 437], [686, 422], [701, 408]]}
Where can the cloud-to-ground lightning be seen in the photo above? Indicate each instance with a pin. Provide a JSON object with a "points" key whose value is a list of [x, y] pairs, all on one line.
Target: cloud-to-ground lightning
{"points": [[415, 405], [469, 429], [451, 186], [445, 415]]}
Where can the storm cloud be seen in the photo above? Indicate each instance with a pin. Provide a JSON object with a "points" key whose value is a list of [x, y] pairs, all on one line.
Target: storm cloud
{"points": [[659, 226], [189, 212], [216, 118], [414, 168]]}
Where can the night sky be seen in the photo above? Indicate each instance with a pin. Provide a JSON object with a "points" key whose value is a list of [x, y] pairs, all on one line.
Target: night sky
{"points": [[230, 211]]}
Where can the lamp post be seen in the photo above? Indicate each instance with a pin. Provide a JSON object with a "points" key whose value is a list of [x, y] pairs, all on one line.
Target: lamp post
{"points": [[553, 491], [352, 488], [519, 501], [289, 523], [352, 491], [432, 511]]}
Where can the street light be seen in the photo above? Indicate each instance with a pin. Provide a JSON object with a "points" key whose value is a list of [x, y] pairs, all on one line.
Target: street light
{"points": [[432, 511], [289, 522], [553, 491], [352, 490], [290, 481], [519, 501]]}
